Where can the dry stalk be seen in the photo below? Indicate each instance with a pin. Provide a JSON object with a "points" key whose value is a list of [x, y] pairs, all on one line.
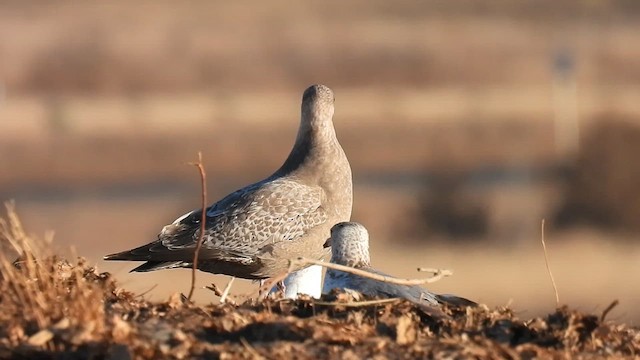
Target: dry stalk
{"points": [[606, 311], [213, 287], [203, 218], [142, 294], [438, 273], [357, 303], [225, 292], [546, 260], [302, 262], [41, 287]]}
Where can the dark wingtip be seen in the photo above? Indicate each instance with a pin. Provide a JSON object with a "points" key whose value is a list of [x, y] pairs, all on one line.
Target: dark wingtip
{"points": [[138, 254], [141, 268], [125, 255], [157, 265], [456, 300]]}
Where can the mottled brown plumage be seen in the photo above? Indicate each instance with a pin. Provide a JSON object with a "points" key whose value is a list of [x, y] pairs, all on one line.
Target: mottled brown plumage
{"points": [[253, 232]]}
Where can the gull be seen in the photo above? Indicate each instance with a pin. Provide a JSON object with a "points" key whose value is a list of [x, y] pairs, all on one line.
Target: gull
{"points": [[349, 244], [306, 281], [253, 232]]}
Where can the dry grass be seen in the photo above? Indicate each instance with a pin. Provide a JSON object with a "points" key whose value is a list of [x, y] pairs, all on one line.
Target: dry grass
{"points": [[44, 296]]}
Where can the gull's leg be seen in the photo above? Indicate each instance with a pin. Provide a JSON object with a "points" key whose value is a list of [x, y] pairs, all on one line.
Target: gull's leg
{"points": [[268, 285]]}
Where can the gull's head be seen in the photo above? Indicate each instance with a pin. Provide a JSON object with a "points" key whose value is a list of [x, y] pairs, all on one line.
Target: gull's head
{"points": [[349, 244], [317, 104]]}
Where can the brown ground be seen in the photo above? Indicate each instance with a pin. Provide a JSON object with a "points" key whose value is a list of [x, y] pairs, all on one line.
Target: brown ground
{"points": [[52, 308]]}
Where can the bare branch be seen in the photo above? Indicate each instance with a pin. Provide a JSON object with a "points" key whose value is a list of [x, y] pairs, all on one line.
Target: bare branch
{"points": [[357, 303], [203, 218], [147, 291], [606, 311], [213, 287], [225, 293], [438, 273], [302, 262], [546, 260]]}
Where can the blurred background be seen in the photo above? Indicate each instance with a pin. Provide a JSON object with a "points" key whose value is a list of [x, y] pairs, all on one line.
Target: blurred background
{"points": [[466, 123]]}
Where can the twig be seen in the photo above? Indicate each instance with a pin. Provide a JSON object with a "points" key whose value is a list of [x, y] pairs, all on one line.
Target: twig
{"points": [[225, 293], [146, 292], [606, 311], [302, 262], [438, 273], [546, 260], [357, 303], [213, 287], [203, 218]]}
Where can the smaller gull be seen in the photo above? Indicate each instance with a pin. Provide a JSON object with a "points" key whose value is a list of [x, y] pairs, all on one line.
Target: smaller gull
{"points": [[350, 247], [306, 281]]}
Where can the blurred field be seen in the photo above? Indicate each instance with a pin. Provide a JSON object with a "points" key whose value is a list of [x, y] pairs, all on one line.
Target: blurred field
{"points": [[101, 105]]}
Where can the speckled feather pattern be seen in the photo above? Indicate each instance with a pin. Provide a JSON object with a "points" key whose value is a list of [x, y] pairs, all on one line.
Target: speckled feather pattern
{"points": [[246, 230], [350, 247], [242, 223]]}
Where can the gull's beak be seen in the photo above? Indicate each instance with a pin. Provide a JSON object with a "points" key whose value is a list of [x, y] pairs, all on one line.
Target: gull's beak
{"points": [[327, 243]]}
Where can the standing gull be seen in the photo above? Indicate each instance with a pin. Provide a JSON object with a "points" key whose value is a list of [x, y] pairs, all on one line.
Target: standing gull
{"points": [[350, 247], [253, 232]]}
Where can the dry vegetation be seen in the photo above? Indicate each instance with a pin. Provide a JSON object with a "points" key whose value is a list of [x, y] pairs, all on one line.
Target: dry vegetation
{"points": [[53, 308]]}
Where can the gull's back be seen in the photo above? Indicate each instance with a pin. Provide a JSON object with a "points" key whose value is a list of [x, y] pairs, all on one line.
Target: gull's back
{"points": [[336, 279], [251, 233]]}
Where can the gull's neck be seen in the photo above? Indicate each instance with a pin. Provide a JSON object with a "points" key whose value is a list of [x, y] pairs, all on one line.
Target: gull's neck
{"points": [[352, 261], [315, 140]]}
